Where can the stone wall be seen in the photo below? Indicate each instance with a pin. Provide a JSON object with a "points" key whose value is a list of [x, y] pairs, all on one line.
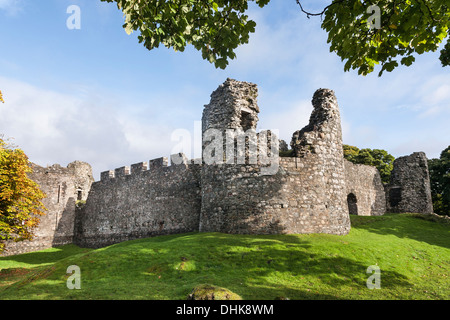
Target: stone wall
{"points": [[137, 202], [297, 199], [63, 187], [409, 187], [365, 190], [230, 189], [319, 145], [233, 105], [306, 194]]}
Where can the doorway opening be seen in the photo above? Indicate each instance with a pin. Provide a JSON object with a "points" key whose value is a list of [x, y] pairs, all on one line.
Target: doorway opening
{"points": [[352, 204]]}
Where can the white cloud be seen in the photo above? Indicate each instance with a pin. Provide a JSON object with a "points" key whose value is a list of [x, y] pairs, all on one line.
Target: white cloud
{"points": [[441, 94], [281, 48], [346, 130], [404, 111], [435, 102], [431, 147], [288, 119], [11, 7], [53, 127]]}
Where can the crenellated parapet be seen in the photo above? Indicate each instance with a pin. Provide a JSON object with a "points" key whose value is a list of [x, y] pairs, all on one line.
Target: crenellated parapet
{"points": [[161, 196], [230, 189], [158, 165]]}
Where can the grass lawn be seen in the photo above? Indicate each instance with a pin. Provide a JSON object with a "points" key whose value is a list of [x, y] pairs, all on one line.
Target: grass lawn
{"points": [[413, 256]]}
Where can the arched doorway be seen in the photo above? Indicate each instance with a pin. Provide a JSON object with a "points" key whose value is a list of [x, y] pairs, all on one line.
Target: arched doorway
{"points": [[352, 204]]}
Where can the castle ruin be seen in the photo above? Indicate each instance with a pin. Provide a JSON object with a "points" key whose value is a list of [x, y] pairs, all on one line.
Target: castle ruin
{"points": [[314, 191]]}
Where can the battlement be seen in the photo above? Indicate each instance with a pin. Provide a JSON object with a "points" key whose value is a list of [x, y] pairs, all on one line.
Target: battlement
{"points": [[312, 192], [161, 164], [161, 196]]}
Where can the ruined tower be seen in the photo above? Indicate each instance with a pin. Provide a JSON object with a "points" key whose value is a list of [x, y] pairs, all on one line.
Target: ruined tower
{"points": [[232, 112], [318, 146], [233, 105], [409, 189], [306, 194], [231, 189], [63, 186]]}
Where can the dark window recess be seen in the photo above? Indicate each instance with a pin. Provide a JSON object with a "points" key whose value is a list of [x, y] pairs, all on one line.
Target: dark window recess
{"points": [[395, 196], [352, 204], [246, 120]]}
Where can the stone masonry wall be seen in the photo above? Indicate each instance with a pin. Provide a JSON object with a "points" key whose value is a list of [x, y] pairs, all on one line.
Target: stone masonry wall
{"points": [[233, 105], [137, 202], [319, 145], [306, 194], [229, 190], [297, 199], [409, 188], [364, 183], [63, 187]]}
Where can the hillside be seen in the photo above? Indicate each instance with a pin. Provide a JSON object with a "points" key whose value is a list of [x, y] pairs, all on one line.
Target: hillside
{"points": [[413, 256]]}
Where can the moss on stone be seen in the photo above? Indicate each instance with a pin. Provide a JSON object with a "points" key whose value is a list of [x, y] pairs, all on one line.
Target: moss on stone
{"points": [[211, 292]]}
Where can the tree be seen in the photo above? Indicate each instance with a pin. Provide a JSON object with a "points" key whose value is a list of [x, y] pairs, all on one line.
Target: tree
{"points": [[350, 152], [364, 34], [440, 182], [361, 33], [214, 27], [20, 197], [1, 97], [376, 157]]}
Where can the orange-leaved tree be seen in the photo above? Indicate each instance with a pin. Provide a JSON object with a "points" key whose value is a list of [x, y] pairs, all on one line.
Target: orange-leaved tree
{"points": [[1, 97], [20, 197]]}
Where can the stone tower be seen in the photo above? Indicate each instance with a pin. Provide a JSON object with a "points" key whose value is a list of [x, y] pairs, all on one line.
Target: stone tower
{"points": [[63, 186], [305, 195], [233, 105], [232, 111], [230, 189], [409, 189], [320, 144]]}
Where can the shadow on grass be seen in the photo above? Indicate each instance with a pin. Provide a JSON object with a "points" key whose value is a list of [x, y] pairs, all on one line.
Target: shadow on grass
{"points": [[412, 226], [262, 267], [313, 275], [47, 256], [168, 267]]}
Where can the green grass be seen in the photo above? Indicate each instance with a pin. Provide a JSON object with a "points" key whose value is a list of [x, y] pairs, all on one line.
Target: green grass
{"points": [[412, 254]]}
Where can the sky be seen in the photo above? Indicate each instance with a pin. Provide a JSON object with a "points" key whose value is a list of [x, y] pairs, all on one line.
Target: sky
{"points": [[95, 94]]}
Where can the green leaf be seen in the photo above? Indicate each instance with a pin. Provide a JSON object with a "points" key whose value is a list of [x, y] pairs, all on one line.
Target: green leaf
{"points": [[407, 61]]}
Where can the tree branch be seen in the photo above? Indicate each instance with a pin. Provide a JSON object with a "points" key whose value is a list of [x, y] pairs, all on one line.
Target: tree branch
{"points": [[308, 14]]}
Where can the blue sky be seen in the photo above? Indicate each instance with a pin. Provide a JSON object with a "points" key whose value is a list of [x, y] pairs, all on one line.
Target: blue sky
{"points": [[97, 95]]}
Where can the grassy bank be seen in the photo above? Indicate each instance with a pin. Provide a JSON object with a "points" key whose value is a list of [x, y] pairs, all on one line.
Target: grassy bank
{"points": [[413, 256]]}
